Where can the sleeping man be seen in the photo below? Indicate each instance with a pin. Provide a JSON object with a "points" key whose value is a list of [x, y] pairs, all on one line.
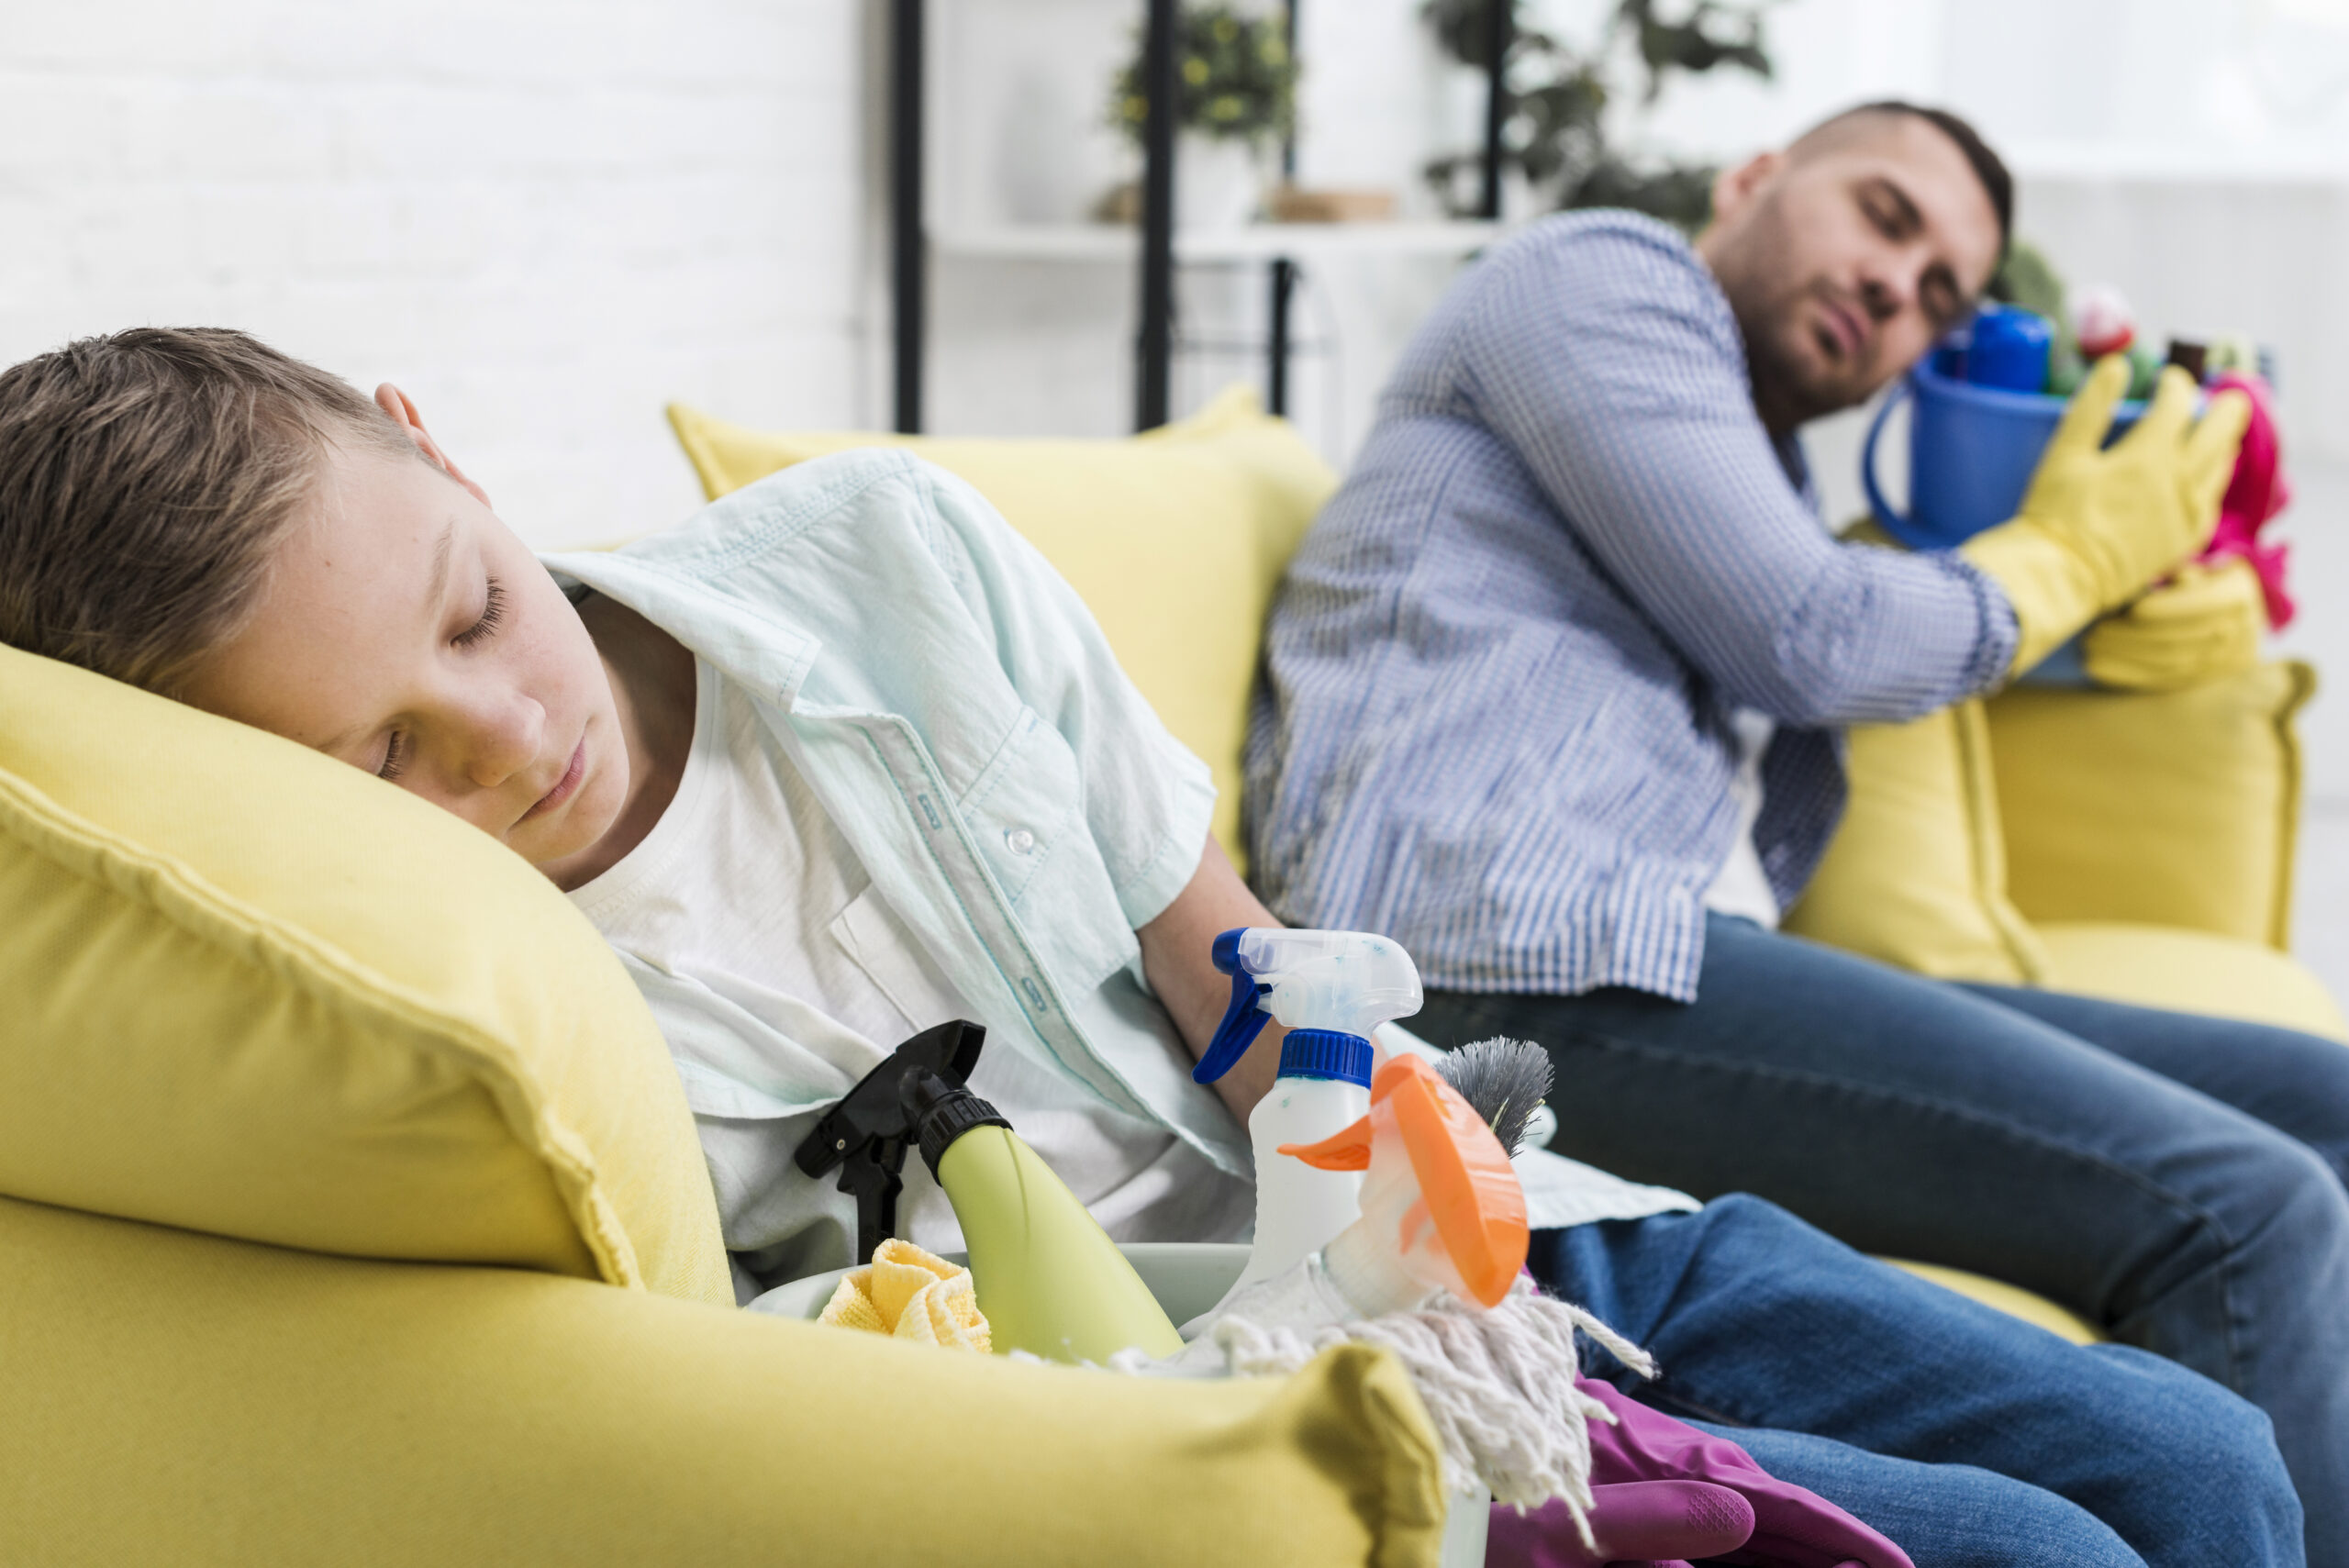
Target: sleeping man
{"points": [[1557, 693], [842, 757]]}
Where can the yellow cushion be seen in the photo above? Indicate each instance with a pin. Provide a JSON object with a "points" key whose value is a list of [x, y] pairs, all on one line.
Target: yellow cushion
{"points": [[250, 990], [2188, 972], [1174, 540], [2166, 808], [1916, 875], [207, 1404]]}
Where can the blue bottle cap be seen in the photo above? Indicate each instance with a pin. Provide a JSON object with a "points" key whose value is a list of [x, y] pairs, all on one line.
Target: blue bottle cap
{"points": [[2010, 350], [1326, 1053]]}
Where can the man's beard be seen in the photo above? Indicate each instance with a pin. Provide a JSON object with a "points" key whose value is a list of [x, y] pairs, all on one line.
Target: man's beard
{"points": [[1790, 387]]}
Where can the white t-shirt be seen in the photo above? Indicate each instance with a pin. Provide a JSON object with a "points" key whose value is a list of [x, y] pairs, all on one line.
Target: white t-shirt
{"points": [[1741, 886], [747, 886]]}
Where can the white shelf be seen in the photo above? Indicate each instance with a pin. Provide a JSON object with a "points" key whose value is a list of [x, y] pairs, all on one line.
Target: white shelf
{"points": [[1252, 242]]}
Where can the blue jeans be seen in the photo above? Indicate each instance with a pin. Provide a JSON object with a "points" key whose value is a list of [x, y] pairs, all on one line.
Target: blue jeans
{"points": [[1968, 1438], [2176, 1180]]}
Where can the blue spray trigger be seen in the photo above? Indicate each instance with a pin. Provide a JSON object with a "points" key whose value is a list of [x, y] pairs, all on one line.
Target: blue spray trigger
{"points": [[1242, 1020]]}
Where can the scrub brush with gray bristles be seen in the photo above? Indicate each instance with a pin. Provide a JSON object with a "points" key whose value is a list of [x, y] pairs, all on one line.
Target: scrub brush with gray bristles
{"points": [[1505, 1081]]}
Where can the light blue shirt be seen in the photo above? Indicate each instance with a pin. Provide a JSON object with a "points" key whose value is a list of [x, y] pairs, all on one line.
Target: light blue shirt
{"points": [[946, 697], [955, 710], [1504, 668]]}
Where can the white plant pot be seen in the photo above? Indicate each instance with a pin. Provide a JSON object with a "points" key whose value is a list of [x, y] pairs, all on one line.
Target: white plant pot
{"points": [[1218, 181]]}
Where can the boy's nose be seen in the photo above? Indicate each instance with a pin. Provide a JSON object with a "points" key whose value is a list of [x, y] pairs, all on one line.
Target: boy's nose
{"points": [[504, 742]]}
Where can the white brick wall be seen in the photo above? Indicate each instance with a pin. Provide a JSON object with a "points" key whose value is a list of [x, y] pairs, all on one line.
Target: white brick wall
{"points": [[542, 220]]}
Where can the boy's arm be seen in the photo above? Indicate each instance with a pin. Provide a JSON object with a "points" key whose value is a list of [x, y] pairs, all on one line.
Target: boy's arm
{"points": [[1177, 958]]}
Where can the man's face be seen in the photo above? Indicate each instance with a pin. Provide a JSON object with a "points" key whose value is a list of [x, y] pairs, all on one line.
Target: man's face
{"points": [[405, 629], [1842, 264]]}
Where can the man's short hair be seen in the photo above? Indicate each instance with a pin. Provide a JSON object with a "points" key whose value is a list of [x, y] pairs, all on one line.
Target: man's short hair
{"points": [[147, 479], [1996, 182]]}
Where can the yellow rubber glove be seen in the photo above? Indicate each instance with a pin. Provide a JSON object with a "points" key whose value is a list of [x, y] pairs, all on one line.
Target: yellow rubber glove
{"points": [[2097, 526], [2202, 625]]}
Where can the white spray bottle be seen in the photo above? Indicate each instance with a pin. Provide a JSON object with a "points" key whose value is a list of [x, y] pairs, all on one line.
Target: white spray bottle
{"points": [[1332, 988]]}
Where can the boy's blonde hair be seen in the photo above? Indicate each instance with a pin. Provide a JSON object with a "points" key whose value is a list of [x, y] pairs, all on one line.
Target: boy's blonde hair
{"points": [[147, 478]]}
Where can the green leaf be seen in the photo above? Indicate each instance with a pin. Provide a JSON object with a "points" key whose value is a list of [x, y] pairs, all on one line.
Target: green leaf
{"points": [[1555, 112]]}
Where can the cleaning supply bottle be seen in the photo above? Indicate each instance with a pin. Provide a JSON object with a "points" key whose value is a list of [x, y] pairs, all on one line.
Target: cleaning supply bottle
{"points": [[1440, 1230], [1332, 988], [1442, 1207], [2010, 349], [1048, 1279]]}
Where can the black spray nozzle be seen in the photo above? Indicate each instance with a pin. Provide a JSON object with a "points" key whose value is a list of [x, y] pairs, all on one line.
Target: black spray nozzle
{"points": [[867, 1133], [939, 1112]]}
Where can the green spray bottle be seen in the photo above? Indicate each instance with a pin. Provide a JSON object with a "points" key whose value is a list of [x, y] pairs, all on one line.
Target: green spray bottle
{"points": [[1049, 1278]]}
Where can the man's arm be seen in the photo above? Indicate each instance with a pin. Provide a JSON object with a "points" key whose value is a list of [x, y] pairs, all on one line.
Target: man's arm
{"points": [[1611, 369], [1177, 957]]}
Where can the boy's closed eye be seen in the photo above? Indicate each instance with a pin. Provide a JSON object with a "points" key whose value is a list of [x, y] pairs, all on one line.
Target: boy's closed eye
{"points": [[491, 613], [483, 628]]}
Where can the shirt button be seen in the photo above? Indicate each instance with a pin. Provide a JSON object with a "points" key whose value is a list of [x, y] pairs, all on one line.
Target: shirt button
{"points": [[1019, 841]]}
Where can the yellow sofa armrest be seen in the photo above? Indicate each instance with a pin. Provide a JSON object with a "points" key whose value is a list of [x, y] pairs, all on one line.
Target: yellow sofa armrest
{"points": [[2189, 972], [2161, 809], [181, 1398]]}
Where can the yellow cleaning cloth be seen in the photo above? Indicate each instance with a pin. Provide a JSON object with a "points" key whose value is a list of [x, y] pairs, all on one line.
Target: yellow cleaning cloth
{"points": [[912, 1294]]}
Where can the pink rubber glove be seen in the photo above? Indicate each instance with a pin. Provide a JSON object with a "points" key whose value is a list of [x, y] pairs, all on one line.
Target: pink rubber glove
{"points": [[1792, 1528], [1660, 1522], [2256, 492]]}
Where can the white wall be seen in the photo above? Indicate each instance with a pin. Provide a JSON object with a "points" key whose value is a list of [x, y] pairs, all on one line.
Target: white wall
{"points": [[544, 220], [547, 220]]}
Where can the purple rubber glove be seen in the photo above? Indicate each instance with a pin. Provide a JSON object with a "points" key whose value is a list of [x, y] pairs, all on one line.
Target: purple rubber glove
{"points": [[1792, 1528], [1661, 1522]]}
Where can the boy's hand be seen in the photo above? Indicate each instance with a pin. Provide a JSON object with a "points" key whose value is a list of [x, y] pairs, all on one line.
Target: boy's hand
{"points": [[1178, 958]]}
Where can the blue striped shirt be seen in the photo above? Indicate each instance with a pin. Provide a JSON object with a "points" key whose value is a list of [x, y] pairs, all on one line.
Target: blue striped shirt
{"points": [[1496, 719]]}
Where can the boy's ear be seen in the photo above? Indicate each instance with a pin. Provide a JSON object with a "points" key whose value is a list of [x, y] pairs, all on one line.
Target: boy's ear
{"points": [[402, 409]]}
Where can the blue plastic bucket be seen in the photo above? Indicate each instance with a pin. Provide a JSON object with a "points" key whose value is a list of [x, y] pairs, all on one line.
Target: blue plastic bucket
{"points": [[1972, 450]]}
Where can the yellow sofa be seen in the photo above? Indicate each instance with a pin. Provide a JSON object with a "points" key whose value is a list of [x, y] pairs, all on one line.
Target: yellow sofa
{"points": [[349, 1212]]}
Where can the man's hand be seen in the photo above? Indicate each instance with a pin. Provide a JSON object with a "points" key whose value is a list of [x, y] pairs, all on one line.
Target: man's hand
{"points": [[1177, 956], [2202, 625], [2098, 525]]}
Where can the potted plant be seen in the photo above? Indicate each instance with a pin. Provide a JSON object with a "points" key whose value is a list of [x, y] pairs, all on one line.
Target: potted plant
{"points": [[1555, 132], [1237, 97]]}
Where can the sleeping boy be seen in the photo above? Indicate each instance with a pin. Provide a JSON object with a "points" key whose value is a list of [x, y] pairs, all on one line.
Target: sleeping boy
{"points": [[842, 757]]}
